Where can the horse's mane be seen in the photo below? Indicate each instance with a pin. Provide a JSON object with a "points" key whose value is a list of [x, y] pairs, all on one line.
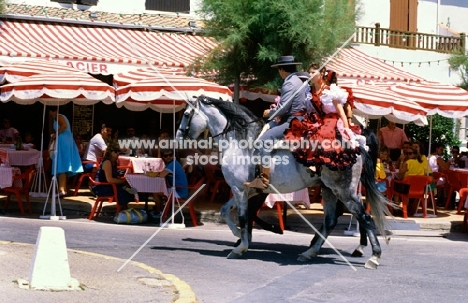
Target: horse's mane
{"points": [[240, 118]]}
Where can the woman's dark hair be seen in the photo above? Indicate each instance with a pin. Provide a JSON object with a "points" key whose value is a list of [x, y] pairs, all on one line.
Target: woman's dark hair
{"points": [[436, 146], [112, 146], [417, 154]]}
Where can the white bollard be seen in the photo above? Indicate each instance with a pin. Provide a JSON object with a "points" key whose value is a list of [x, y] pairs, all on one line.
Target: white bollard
{"points": [[49, 268]]}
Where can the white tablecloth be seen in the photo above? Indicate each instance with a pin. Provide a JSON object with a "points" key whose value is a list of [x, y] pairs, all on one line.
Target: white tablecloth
{"points": [[6, 177], [140, 165], [144, 184], [297, 197], [19, 157]]}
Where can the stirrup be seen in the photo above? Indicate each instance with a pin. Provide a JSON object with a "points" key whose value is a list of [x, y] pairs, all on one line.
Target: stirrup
{"points": [[257, 183]]}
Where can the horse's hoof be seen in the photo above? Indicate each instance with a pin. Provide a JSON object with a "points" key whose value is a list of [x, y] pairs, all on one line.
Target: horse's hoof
{"points": [[357, 253], [234, 255], [303, 258], [372, 263], [238, 243]]}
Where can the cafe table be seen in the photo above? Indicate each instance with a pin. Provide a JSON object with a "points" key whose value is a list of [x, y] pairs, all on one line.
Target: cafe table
{"points": [[297, 197], [14, 157]]}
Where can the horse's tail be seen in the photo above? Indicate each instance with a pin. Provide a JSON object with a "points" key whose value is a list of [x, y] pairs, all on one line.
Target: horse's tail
{"points": [[378, 203]]}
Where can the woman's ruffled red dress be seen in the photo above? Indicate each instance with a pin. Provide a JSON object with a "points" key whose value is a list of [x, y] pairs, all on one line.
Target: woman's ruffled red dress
{"points": [[320, 130]]}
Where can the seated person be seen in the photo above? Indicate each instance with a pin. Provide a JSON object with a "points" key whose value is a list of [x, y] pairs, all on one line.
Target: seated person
{"points": [[107, 172], [455, 159], [96, 147], [414, 166], [172, 171], [436, 162], [28, 141], [79, 144], [403, 157], [8, 134], [380, 175]]}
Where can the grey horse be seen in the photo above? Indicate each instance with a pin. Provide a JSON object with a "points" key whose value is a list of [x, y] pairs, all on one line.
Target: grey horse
{"points": [[230, 124]]}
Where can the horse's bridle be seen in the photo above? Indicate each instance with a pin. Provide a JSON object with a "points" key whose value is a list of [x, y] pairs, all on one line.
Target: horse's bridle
{"points": [[196, 107]]}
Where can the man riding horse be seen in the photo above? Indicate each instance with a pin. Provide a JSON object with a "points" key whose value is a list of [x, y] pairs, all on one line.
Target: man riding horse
{"points": [[291, 105]]}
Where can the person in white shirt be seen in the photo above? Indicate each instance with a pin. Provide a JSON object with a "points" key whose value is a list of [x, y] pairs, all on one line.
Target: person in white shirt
{"points": [[8, 134], [96, 147]]}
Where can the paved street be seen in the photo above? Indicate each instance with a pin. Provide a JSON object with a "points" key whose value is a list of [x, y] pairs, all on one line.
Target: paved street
{"points": [[413, 268]]}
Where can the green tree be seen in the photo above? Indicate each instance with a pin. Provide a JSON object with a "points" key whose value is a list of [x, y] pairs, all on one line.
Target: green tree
{"points": [[460, 62], [443, 131], [253, 33]]}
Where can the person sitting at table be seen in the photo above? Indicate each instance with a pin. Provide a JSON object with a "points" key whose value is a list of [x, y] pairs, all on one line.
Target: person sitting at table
{"points": [[173, 171], [455, 159], [107, 172], [414, 166], [162, 142], [436, 162], [402, 157], [28, 141], [380, 175], [96, 147], [79, 144], [130, 136], [8, 134]]}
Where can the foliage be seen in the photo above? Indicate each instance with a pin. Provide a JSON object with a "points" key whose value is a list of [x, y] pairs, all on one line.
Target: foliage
{"points": [[460, 62], [442, 132], [252, 34]]}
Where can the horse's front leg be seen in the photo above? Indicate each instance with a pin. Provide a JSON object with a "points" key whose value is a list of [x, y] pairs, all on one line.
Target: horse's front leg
{"points": [[329, 222], [242, 204]]}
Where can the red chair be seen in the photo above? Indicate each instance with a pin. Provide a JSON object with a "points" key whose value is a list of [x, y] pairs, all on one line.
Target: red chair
{"points": [[192, 188], [453, 184], [463, 191], [97, 207], [213, 180], [417, 190], [26, 178], [90, 175]]}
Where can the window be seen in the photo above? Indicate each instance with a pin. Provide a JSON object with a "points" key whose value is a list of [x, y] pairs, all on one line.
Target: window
{"points": [[182, 6]]}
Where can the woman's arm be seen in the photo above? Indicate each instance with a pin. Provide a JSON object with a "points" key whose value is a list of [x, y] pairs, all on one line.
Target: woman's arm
{"points": [[107, 167], [341, 113], [403, 169], [442, 164], [62, 124]]}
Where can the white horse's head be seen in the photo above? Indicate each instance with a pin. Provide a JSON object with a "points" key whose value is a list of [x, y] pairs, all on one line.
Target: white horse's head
{"points": [[193, 122], [200, 115]]}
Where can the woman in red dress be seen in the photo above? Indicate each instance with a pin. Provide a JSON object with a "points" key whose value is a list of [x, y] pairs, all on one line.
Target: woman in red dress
{"points": [[331, 141]]}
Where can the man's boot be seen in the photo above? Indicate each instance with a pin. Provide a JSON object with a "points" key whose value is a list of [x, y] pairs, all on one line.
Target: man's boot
{"points": [[262, 181]]}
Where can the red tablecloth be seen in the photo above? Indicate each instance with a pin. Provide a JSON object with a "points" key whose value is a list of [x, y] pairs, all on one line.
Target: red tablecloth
{"points": [[19, 157]]}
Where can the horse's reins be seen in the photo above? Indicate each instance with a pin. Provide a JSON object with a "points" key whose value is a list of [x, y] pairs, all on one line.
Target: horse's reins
{"points": [[225, 130]]}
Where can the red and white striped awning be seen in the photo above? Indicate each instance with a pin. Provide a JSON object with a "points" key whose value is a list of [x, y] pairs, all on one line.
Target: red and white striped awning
{"points": [[373, 101], [126, 78], [354, 65], [36, 39], [436, 98], [58, 88], [167, 93], [18, 71]]}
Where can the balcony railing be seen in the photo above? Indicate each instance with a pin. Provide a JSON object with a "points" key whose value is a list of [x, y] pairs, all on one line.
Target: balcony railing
{"points": [[409, 40]]}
